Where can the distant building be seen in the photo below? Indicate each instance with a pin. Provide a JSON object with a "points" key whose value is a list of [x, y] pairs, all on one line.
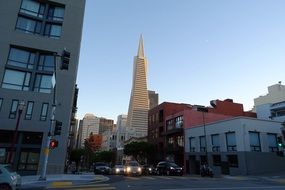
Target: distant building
{"points": [[272, 105], [105, 125], [138, 106], [109, 140], [89, 124], [32, 33], [153, 99]]}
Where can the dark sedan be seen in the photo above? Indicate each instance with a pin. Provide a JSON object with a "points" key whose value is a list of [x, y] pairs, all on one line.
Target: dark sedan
{"points": [[102, 168], [168, 168]]}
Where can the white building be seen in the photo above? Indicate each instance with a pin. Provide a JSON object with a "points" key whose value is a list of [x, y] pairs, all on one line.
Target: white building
{"points": [[272, 105], [89, 124], [109, 140], [237, 146]]}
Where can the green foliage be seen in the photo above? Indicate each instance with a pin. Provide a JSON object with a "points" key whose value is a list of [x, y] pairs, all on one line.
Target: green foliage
{"points": [[75, 155], [104, 156], [139, 150]]}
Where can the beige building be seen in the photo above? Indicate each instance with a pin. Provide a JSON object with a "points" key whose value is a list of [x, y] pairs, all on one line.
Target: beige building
{"points": [[276, 93], [139, 105]]}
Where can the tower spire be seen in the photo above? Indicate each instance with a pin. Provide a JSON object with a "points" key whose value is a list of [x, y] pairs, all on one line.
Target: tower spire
{"points": [[141, 49]]}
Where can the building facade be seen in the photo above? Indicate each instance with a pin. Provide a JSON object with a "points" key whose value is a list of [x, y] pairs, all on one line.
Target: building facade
{"points": [[138, 106], [33, 33], [89, 124], [272, 105], [105, 125], [235, 146], [153, 99]]}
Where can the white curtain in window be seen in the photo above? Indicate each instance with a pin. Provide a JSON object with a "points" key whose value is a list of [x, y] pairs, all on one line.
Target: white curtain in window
{"points": [[254, 139], [231, 139]]}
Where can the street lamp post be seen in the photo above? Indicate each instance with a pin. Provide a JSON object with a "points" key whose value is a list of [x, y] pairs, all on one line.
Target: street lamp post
{"points": [[204, 110], [15, 135]]}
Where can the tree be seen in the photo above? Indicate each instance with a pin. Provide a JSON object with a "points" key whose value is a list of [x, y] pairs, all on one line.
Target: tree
{"points": [[141, 151]]}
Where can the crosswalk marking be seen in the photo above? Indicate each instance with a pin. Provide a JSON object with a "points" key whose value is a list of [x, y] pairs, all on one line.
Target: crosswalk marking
{"points": [[85, 186]]}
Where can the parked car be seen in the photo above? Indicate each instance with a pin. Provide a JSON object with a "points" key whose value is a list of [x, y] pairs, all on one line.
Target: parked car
{"points": [[118, 169], [132, 168], [148, 169], [102, 168], [9, 179], [168, 168]]}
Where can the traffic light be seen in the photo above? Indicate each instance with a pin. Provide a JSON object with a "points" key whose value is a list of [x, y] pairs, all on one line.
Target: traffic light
{"points": [[53, 144], [65, 58], [57, 128], [279, 141]]}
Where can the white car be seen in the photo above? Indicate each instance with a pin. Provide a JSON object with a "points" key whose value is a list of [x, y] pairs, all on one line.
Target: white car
{"points": [[9, 179], [133, 168]]}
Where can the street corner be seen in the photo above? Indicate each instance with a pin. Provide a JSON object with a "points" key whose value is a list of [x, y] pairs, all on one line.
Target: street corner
{"points": [[100, 178]]}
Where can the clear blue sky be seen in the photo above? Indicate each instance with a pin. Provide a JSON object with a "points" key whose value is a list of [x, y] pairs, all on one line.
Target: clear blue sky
{"points": [[197, 51]]}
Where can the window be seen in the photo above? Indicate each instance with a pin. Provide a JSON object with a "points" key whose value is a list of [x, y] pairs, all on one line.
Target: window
{"points": [[44, 112], [32, 8], [231, 141], [233, 160], [160, 115], [28, 160], [192, 144], [13, 110], [170, 124], [217, 160], [1, 102], [29, 110], [55, 13], [52, 30], [40, 18], [272, 142], [28, 25], [43, 83], [21, 58], [32, 138], [46, 63], [180, 141], [254, 141], [215, 143], [16, 80], [202, 144], [179, 122]]}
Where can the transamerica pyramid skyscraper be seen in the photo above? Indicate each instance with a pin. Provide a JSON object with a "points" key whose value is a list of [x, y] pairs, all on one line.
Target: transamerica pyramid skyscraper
{"points": [[138, 108]]}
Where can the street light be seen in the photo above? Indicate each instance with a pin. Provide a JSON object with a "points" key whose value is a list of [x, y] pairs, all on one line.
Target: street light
{"points": [[204, 109], [21, 106]]}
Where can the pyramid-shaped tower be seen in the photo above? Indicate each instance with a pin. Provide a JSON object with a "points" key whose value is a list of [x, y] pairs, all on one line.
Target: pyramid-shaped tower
{"points": [[138, 108]]}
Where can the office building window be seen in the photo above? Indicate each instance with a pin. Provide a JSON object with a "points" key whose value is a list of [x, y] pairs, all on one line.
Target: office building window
{"points": [[192, 144], [16, 80], [1, 102], [231, 141], [215, 143], [13, 110], [40, 18], [29, 110], [43, 83], [52, 30], [21, 58], [254, 141], [272, 142], [28, 25], [179, 122], [28, 160], [44, 112], [46, 62], [202, 144], [55, 13], [32, 8]]}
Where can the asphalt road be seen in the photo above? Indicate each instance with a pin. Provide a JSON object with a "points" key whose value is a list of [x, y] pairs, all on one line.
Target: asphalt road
{"points": [[176, 183]]}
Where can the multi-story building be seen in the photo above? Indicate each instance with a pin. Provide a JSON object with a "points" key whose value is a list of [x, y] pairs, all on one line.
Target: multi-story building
{"points": [[94, 142], [157, 128], [138, 106], [89, 124], [33, 33], [153, 99], [109, 140], [235, 146], [105, 125], [272, 105]]}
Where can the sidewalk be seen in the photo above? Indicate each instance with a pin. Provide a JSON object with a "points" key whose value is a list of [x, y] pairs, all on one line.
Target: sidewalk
{"points": [[28, 181]]}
